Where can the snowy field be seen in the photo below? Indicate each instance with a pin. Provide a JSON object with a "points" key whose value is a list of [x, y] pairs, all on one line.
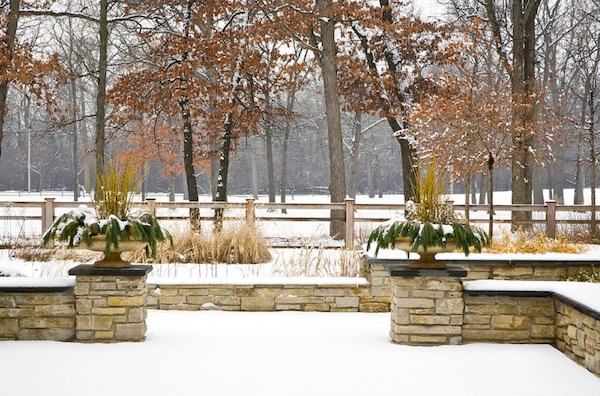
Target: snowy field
{"points": [[284, 353], [276, 353]]}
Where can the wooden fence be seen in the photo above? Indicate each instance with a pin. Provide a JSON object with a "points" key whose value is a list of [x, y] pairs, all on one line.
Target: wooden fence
{"points": [[549, 215]]}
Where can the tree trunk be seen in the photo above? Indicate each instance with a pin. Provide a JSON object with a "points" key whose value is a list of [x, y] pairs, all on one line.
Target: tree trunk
{"points": [[286, 138], [354, 154], [592, 139], [327, 61], [221, 195], [467, 196], [172, 186], [75, 140], [538, 190], [370, 183], [409, 164], [522, 89], [579, 171], [188, 161], [74, 121], [558, 177], [490, 165], [101, 95], [85, 140], [188, 135], [483, 189], [473, 190], [255, 178], [270, 166], [269, 140], [5, 64]]}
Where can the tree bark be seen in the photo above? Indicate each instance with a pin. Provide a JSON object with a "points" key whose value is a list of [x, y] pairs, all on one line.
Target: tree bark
{"points": [[221, 195], [101, 95], [75, 140], [5, 63], [270, 166], [354, 154], [327, 61], [286, 138], [523, 88], [490, 166], [188, 133]]}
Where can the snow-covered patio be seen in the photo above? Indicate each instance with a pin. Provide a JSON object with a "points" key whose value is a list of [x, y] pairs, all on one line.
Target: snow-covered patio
{"points": [[283, 353]]}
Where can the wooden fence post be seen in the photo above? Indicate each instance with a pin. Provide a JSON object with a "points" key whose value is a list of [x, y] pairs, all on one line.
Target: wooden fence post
{"points": [[47, 214], [250, 212], [349, 223], [551, 219], [48, 218], [151, 206]]}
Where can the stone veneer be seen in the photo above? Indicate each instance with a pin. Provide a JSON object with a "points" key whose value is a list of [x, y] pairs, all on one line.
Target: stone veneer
{"points": [[375, 271], [427, 306], [349, 296], [110, 303], [509, 319], [578, 335], [37, 313], [533, 317]]}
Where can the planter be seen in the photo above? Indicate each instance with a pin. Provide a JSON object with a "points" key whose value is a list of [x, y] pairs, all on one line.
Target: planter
{"points": [[427, 259], [113, 259]]}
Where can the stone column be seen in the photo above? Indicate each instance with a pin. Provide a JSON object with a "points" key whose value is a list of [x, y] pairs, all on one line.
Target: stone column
{"points": [[110, 303], [427, 306]]}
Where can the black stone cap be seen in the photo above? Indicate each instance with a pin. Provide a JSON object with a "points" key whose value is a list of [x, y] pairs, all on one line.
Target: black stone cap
{"points": [[90, 270], [405, 271]]}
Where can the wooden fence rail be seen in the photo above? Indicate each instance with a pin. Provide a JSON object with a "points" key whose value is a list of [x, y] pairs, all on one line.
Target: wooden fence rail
{"points": [[355, 213]]}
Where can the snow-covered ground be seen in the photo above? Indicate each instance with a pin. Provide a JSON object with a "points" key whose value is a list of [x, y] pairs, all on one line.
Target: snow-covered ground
{"points": [[284, 353]]}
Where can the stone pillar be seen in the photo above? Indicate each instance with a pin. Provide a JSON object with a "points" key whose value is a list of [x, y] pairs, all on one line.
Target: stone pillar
{"points": [[427, 306], [110, 303]]}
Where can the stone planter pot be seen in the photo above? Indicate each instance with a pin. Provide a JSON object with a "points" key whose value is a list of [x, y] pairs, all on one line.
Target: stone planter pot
{"points": [[113, 258], [427, 259]]}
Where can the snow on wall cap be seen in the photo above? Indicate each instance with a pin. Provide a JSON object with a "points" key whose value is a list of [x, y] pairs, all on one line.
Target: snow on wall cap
{"points": [[332, 281], [44, 283], [584, 293]]}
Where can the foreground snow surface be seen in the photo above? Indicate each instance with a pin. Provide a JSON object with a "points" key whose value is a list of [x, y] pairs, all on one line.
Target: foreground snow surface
{"points": [[283, 353]]}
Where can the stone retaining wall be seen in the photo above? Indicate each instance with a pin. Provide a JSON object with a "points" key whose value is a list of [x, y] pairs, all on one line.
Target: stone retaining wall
{"points": [[524, 320], [266, 297], [37, 316], [578, 336], [375, 271], [534, 318], [426, 311]]}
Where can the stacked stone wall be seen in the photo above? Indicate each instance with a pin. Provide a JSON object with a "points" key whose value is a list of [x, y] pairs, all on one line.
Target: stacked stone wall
{"points": [[285, 297], [578, 335], [525, 320], [427, 311], [37, 316], [110, 308], [375, 271]]}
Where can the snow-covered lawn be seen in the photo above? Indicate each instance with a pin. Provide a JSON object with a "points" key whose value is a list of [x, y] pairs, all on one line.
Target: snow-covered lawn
{"points": [[283, 353]]}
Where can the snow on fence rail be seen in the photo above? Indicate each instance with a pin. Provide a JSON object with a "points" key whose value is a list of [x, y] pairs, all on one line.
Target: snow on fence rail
{"points": [[550, 215]]}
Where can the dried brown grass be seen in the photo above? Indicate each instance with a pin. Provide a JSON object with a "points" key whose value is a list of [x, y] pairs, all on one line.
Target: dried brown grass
{"points": [[533, 242], [235, 245], [60, 253]]}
